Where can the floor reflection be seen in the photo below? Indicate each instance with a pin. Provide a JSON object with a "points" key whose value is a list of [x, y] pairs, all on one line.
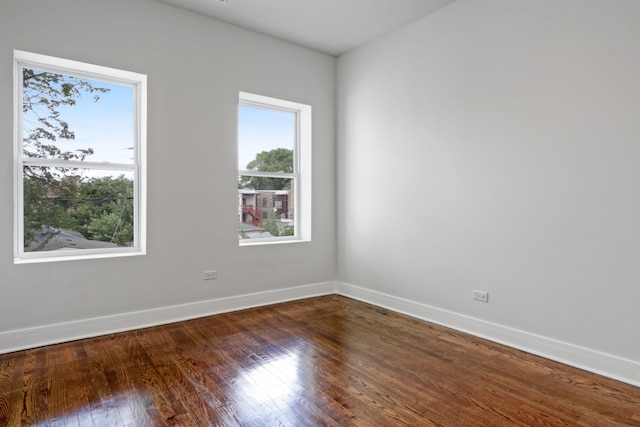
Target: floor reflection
{"points": [[273, 380], [271, 386], [121, 410]]}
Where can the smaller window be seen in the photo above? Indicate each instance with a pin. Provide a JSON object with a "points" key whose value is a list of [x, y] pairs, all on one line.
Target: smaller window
{"points": [[274, 165]]}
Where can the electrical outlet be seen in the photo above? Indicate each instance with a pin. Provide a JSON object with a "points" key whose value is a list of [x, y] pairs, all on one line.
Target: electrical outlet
{"points": [[481, 296], [210, 275]]}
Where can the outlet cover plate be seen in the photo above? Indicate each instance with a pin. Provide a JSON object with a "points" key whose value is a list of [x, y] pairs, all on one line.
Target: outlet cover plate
{"points": [[481, 296]]}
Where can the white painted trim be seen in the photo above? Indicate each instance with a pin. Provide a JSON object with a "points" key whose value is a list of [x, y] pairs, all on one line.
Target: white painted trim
{"points": [[604, 364], [301, 169], [86, 328]]}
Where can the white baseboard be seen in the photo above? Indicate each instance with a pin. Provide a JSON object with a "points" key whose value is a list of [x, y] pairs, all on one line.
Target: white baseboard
{"points": [[607, 365], [69, 331], [590, 360]]}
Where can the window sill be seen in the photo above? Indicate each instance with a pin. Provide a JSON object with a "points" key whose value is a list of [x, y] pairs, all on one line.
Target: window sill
{"points": [[265, 242], [58, 258]]}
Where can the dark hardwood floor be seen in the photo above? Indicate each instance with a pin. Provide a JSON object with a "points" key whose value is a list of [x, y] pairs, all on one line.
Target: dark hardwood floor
{"points": [[322, 361]]}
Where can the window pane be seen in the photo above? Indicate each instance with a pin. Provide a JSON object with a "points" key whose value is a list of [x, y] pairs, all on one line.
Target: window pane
{"points": [[266, 139], [69, 118], [74, 209], [266, 207]]}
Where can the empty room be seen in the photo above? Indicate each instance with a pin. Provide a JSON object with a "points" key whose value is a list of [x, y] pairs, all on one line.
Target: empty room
{"points": [[320, 213]]}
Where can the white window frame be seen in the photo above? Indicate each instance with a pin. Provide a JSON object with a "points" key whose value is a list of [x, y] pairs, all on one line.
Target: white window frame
{"points": [[301, 166], [136, 81]]}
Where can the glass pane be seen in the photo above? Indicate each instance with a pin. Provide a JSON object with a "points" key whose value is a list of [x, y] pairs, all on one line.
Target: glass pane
{"points": [[266, 207], [266, 139], [74, 209], [70, 118]]}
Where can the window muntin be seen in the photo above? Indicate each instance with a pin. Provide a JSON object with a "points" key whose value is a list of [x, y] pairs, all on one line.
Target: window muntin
{"points": [[80, 133], [274, 148]]}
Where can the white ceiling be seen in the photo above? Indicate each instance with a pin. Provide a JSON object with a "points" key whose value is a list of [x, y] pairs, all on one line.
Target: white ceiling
{"points": [[331, 26]]}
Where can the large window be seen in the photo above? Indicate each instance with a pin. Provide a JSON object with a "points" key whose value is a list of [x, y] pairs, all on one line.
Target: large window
{"points": [[80, 133], [274, 170]]}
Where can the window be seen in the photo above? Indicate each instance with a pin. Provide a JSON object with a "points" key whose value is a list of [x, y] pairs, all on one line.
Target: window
{"points": [[79, 167], [274, 165]]}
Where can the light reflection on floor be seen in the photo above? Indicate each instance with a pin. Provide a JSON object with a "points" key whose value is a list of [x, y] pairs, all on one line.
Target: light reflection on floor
{"points": [[272, 386], [268, 388], [123, 410], [273, 380]]}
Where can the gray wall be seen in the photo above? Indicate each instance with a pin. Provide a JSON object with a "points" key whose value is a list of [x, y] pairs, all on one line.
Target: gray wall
{"points": [[195, 68], [495, 145]]}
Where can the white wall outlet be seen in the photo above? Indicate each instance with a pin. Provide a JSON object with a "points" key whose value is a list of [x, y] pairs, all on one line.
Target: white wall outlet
{"points": [[481, 296], [210, 275]]}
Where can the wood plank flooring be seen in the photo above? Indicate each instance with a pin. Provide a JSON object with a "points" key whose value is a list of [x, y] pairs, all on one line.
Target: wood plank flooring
{"points": [[327, 361]]}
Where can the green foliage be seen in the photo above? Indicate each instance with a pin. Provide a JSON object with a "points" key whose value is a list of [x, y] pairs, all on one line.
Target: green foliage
{"points": [[58, 198], [98, 208], [272, 227], [41, 210], [288, 231], [105, 210], [276, 160], [109, 228], [42, 96]]}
